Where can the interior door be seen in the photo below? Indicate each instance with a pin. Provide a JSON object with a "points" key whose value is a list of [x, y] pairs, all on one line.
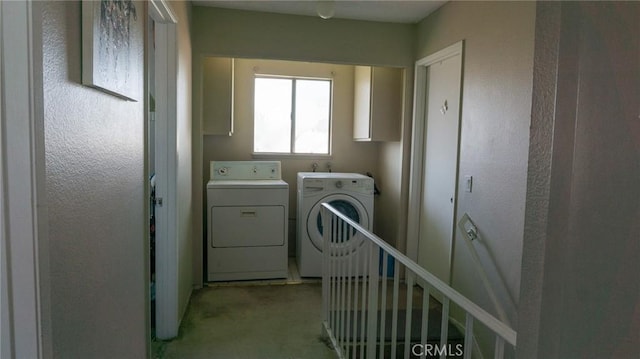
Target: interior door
{"points": [[151, 158], [437, 210]]}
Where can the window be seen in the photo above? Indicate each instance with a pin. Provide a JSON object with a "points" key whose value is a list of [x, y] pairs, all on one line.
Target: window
{"points": [[291, 115]]}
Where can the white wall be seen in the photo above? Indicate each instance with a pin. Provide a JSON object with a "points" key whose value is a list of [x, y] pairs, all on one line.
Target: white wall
{"points": [[496, 105], [247, 34], [95, 187]]}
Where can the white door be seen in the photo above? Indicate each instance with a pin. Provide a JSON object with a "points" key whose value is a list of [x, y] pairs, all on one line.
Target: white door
{"points": [[440, 169]]}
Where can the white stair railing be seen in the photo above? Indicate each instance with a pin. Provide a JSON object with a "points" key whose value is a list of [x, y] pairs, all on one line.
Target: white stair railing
{"points": [[361, 321]]}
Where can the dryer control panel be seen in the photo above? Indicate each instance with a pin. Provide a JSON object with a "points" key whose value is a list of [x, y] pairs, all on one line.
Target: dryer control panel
{"points": [[245, 170]]}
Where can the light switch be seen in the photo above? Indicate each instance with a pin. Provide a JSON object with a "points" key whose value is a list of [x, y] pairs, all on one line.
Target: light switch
{"points": [[468, 183]]}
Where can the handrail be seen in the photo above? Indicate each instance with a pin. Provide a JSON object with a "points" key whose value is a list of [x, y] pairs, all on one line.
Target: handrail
{"points": [[498, 327], [469, 234]]}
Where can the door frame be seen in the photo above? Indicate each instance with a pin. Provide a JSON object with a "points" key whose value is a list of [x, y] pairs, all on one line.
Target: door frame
{"points": [[166, 72], [25, 296], [420, 99]]}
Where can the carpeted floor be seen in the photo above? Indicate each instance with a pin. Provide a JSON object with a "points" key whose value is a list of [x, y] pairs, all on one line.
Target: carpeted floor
{"points": [[251, 321]]}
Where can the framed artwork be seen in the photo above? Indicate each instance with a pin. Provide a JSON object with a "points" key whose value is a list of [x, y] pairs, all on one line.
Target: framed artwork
{"points": [[112, 47]]}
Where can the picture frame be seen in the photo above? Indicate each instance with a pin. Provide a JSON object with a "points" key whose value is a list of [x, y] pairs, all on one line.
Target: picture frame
{"points": [[113, 47]]}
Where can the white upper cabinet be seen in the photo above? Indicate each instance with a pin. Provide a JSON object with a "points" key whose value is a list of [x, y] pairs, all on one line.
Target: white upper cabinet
{"points": [[377, 110], [217, 96]]}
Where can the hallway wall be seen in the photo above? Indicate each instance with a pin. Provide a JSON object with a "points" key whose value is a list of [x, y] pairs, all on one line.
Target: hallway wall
{"points": [[496, 108], [95, 187], [581, 273]]}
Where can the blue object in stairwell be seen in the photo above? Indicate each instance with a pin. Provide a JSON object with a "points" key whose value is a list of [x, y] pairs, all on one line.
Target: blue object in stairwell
{"points": [[390, 264]]}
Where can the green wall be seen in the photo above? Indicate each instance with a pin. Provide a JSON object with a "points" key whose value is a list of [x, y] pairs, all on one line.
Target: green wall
{"points": [[250, 34]]}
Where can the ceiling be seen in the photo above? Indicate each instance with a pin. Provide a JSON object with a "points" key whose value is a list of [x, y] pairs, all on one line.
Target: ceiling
{"points": [[398, 11]]}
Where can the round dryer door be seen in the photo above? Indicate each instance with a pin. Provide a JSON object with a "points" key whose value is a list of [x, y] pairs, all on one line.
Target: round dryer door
{"points": [[346, 205]]}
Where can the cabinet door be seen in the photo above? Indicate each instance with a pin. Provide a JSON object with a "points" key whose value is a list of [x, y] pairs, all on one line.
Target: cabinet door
{"points": [[362, 103], [377, 107], [386, 103], [217, 96]]}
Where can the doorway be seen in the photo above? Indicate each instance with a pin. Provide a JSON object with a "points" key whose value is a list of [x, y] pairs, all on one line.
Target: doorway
{"points": [[161, 162], [434, 168]]}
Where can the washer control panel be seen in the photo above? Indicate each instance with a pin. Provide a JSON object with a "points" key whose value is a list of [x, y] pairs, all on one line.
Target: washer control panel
{"points": [[360, 185], [245, 170]]}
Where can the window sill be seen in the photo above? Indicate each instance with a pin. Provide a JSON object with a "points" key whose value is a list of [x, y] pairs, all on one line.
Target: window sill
{"points": [[293, 156]]}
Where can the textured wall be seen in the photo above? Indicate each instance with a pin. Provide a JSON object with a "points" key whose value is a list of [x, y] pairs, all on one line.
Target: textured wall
{"points": [[496, 107], [288, 37], [95, 191], [539, 174], [580, 261]]}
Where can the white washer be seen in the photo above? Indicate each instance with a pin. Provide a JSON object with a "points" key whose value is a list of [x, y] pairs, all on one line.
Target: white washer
{"points": [[350, 193], [247, 211]]}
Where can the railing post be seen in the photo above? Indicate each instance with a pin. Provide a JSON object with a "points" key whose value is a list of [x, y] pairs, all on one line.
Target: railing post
{"points": [[424, 333], [347, 309], [335, 275], [383, 305], [499, 349], [444, 325], [394, 315], [325, 266], [468, 336], [354, 339], [372, 314], [363, 309], [341, 255], [408, 312]]}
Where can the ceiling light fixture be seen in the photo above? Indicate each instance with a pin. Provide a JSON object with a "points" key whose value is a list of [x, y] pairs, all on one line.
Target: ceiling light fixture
{"points": [[326, 9]]}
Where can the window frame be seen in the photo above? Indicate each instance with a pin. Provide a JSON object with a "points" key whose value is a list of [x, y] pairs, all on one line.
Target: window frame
{"points": [[291, 152]]}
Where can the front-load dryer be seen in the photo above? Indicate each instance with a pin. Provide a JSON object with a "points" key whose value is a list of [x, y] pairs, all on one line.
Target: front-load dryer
{"points": [[350, 193]]}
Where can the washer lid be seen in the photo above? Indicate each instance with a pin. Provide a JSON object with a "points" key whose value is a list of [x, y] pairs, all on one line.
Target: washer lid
{"points": [[253, 184]]}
